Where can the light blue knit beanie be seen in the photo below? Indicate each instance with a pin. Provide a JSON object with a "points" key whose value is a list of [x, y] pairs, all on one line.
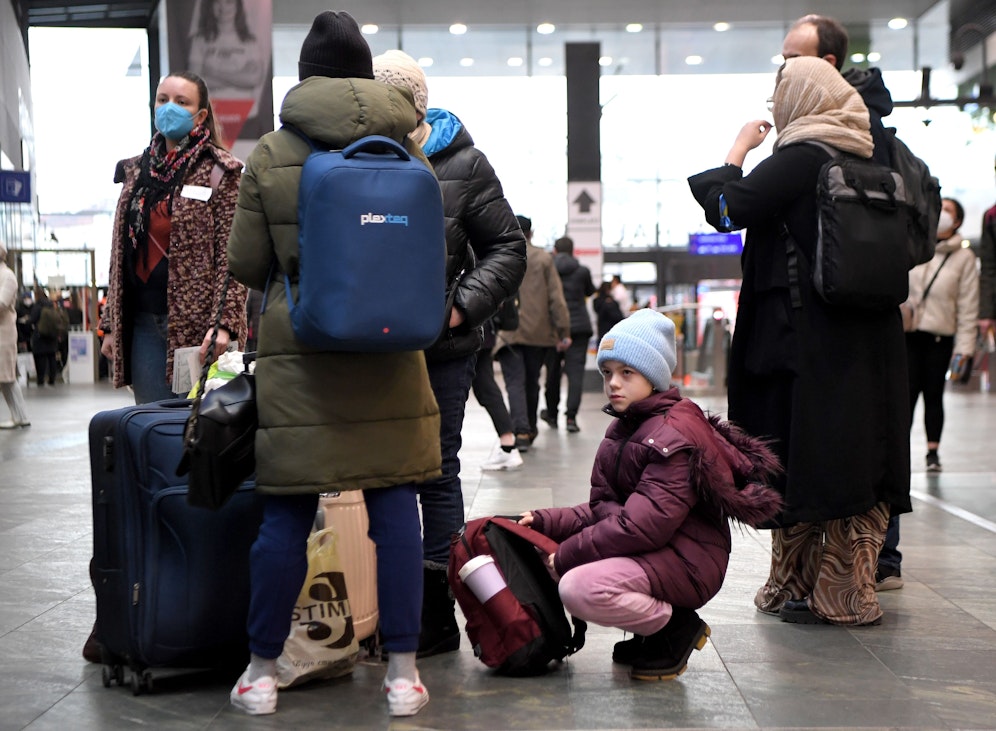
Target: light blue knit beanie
{"points": [[645, 342]]}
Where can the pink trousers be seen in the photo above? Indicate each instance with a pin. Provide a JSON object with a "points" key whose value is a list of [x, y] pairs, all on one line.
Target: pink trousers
{"points": [[614, 592]]}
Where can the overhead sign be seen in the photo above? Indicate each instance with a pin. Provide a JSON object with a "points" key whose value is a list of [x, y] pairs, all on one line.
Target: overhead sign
{"points": [[712, 244], [584, 204], [15, 186]]}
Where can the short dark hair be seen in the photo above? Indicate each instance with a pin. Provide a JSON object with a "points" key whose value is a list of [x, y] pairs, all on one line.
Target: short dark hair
{"points": [[959, 212], [564, 245], [831, 36], [525, 224]]}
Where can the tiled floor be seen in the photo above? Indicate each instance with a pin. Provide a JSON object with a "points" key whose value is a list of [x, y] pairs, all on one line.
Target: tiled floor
{"points": [[930, 665]]}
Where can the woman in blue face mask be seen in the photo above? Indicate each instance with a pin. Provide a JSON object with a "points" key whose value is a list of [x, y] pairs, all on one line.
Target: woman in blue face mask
{"points": [[168, 261], [168, 252]]}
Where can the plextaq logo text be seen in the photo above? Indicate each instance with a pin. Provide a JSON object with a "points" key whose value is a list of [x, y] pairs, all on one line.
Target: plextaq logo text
{"points": [[366, 218]]}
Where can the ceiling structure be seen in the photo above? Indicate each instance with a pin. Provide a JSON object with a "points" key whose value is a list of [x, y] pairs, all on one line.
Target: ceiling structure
{"points": [[137, 13]]}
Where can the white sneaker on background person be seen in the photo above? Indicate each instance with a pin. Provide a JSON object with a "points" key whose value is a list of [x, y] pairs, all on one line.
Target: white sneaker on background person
{"points": [[502, 460]]}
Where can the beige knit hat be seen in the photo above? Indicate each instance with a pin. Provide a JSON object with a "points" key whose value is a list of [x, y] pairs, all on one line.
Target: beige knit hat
{"points": [[397, 68], [812, 101]]}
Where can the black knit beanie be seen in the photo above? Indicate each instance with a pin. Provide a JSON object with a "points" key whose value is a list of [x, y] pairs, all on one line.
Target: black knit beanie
{"points": [[335, 48]]}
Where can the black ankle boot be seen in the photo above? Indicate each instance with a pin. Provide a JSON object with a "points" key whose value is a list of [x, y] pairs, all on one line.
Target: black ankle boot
{"points": [[664, 654], [440, 632], [627, 651]]}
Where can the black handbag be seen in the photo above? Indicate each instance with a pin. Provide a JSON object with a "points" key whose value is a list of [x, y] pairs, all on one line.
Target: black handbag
{"points": [[219, 438]]}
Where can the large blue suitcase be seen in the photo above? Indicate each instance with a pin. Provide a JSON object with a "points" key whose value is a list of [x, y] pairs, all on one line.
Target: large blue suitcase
{"points": [[171, 580]]}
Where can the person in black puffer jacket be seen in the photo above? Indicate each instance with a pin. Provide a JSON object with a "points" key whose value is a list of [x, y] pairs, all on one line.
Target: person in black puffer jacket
{"points": [[485, 263], [569, 360]]}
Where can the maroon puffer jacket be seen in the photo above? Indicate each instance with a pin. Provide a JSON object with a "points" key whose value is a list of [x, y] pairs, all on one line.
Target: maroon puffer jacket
{"points": [[665, 483]]}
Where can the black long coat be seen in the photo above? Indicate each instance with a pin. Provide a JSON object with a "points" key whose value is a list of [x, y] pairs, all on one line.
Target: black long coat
{"points": [[828, 384]]}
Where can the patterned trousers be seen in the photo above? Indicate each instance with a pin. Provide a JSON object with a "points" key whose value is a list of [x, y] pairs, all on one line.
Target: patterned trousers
{"points": [[831, 563]]}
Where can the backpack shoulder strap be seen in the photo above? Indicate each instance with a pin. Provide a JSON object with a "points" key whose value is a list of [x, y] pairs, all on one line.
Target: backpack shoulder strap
{"points": [[315, 147], [217, 172]]}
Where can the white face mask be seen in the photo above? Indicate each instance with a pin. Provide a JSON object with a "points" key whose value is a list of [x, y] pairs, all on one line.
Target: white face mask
{"points": [[945, 223]]}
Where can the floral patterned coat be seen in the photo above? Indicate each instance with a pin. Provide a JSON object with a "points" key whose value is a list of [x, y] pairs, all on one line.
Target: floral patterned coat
{"points": [[197, 262]]}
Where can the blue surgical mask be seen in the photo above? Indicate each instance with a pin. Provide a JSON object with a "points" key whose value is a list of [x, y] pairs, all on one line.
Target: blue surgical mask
{"points": [[174, 121]]}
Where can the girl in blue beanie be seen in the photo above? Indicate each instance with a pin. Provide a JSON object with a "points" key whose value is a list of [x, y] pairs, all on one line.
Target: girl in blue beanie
{"points": [[652, 544]]}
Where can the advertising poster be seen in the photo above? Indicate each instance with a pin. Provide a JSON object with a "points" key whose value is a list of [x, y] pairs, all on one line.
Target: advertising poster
{"points": [[229, 44]]}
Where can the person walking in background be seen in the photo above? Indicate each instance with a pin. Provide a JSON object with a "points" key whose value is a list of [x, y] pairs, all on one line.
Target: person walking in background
{"points": [[570, 360], [942, 309], [329, 421], [8, 347], [44, 337], [607, 311], [505, 455], [846, 467], [987, 273], [621, 294], [171, 226], [485, 262], [544, 322], [652, 544]]}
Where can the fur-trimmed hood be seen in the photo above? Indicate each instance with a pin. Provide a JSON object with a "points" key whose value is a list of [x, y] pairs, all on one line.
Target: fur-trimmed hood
{"points": [[729, 468]]}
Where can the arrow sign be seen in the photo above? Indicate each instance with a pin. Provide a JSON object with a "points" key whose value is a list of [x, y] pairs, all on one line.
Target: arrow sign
{"points": [[584, 202]]}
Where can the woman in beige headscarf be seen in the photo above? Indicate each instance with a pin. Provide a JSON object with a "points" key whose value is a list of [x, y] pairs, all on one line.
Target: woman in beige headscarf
{"points": [[826, 384]]}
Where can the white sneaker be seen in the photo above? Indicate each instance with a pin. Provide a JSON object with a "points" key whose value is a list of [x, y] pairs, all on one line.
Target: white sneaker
{"points": [[502, 460], [256, 699], [405, 698]]}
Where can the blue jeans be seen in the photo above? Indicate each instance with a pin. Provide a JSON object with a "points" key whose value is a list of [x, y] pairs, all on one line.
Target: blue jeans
{"points": [[890, 555], [442, 499], [148, 358], [279, 567]]}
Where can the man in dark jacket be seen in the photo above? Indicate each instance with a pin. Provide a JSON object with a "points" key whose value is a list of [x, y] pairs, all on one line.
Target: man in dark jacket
{"points": [[569, 360], [824, 37], [486, 260]]}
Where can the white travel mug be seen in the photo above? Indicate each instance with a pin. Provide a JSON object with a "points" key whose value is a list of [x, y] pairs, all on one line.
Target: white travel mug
{"points": [[482, 577]]}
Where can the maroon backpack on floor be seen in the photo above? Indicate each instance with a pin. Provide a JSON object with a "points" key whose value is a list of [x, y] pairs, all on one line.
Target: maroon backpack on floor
{"points": [[523, 628]]}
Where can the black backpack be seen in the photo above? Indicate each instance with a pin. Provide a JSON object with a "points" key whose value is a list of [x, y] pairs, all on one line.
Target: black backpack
{"points": [[925, 190], [865, 235]]}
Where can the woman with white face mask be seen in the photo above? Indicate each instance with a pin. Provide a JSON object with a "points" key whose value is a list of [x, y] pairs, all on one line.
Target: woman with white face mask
{"points": [[945, 321], [940, 319], [168, 259]]}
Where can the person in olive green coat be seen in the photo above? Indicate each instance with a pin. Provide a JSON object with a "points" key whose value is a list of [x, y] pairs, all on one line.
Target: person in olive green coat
{"points": [[329, 421]]}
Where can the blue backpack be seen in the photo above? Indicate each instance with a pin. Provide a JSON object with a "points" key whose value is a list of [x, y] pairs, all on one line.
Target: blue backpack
{"points": [[372, 250]]}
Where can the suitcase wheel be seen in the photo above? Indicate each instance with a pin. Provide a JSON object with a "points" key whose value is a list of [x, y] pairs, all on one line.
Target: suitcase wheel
{"points": [[112, 674], [141, 682]]}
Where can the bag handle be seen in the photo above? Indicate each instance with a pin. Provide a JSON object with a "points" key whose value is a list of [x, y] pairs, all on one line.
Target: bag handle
{"points": [[376, 143], [936, 272], [542, 542]]}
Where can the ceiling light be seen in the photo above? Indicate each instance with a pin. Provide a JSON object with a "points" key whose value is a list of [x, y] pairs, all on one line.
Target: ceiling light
{"points": [[369, 29], [634, 27], [721, 27], [545, 28], [857, 57], [515, 61], [425, 61], [466, 62], [605, 61], [693, 60], [778, 59], [898, 23], [458, 29], [545, 61], [874, 57]]}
